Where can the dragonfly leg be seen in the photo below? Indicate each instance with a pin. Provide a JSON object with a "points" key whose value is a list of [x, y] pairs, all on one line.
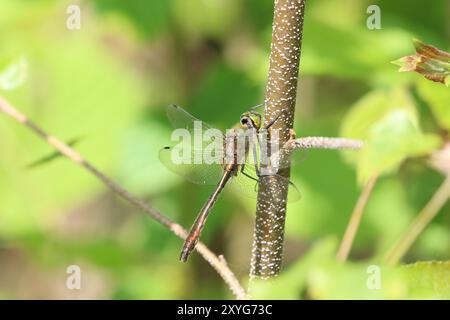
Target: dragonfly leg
{"points": [[292, 184], [246, 174], [249, 176], [274, 120], [257, 106], [253, 145]]}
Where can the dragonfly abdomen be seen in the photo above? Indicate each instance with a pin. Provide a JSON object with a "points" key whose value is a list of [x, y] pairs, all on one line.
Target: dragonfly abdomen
{"points": [[197, 227]]}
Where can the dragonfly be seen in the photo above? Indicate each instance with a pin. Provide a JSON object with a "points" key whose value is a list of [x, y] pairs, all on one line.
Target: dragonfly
{"points": [[242, 170]]}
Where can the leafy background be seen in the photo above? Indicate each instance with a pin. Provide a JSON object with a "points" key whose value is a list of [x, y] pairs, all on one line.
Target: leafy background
{"points": [[109, 82]]}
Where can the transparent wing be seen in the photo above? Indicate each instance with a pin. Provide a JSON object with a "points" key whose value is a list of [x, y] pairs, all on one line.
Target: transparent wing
{"points": [[202, 173], [180, 118], [193, 158]]}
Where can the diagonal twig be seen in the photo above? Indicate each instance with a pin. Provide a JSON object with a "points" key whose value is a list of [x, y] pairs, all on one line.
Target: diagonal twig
{"points": [[216, 262], [355, 220], [432, 208]]}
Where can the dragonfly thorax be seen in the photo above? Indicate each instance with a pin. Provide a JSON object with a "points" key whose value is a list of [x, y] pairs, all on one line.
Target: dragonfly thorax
{"points": [[236, 145]]}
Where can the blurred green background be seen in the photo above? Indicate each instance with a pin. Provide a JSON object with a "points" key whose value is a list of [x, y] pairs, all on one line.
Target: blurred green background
{"points": [[109, 83]]}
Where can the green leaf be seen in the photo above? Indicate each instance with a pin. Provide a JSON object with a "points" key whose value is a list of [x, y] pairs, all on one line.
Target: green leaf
{"points": [[438, 99], [371, 108], [355, 281], [393, 139], [14, 74], [429, 279], [388, 123], [422, 280]]}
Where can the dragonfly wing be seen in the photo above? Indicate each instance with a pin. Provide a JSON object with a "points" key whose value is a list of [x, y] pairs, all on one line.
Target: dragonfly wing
{"points": [[191, 159], [180, 118], [202, 173]]}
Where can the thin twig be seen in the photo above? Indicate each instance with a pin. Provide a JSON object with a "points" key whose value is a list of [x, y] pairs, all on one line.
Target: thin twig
{"points": [[431, 209], [218, 264], [324, 143], [355, 219]]}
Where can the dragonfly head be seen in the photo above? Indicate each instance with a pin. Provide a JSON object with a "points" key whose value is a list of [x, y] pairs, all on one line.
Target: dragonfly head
{"points": [[250, 120]]}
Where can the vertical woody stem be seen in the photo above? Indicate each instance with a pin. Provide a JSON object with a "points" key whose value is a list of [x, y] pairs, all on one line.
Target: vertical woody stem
{"points": [[268, 238]]}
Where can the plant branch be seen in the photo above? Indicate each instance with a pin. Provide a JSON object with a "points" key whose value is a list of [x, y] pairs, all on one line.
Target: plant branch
{"points": [[218, 263], [355, 220], [323, 143], [431, 209], [281, 92]]}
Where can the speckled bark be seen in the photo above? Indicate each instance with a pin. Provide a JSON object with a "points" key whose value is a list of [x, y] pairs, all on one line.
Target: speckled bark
{"points": [[268, 239]]}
